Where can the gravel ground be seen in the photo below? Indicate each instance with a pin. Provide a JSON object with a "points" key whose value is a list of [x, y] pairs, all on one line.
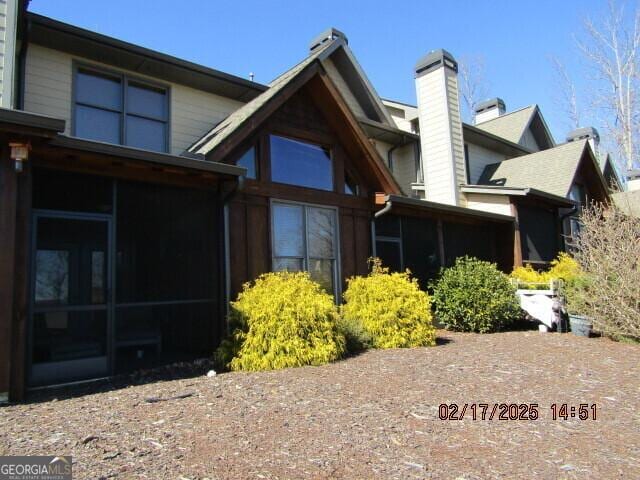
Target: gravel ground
{"points": [[371, 416]]}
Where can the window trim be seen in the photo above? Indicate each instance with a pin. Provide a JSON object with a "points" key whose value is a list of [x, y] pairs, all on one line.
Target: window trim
{"points": [[125, 78], [337, 258], [314, 143]]}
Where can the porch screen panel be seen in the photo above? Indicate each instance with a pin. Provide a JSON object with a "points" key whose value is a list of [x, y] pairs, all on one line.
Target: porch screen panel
{"points": [[420, 248], [538, 233], [166, 274], [474, 240]]}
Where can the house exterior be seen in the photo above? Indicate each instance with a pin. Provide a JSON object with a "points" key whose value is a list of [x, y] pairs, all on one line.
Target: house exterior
{"points": [[140, 191]]}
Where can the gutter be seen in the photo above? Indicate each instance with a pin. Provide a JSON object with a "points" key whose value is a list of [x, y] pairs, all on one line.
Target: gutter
{"points": [[384, 210]]}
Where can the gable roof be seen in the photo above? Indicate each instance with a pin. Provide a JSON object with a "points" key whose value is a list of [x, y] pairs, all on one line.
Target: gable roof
{"points": [[512, 126], [220, 132], [551, 170], [227, 134]]}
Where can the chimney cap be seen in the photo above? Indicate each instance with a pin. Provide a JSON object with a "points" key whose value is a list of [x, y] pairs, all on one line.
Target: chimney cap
{"points": [[490, 104], [582, 133], [327, 35], [434, 60]]}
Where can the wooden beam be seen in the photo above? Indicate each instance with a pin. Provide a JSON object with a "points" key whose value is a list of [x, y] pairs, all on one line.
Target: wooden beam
{"points": [[262, 114], [386, 178], [8, 199], [21, 286], [517, 241]]}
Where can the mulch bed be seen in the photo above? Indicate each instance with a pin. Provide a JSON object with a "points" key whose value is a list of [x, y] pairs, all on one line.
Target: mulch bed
{"points": [[370, 416]]}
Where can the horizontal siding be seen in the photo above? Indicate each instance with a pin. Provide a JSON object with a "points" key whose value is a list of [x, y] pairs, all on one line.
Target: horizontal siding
{"points": [[489, 203], [343, 88], [48, 91], [479, 158]]}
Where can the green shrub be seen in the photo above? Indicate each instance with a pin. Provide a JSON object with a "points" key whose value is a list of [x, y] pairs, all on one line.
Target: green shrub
{"points": [[388, 310], [281, 320], [474, 296]]}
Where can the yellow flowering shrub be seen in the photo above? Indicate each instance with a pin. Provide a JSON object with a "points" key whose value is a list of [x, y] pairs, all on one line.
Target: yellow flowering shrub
{"points": [[565, 267], [389, 309], [282, 319]]}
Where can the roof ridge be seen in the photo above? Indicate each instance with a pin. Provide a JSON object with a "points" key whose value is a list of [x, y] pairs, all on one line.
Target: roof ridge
{"points": [[534, 105]]}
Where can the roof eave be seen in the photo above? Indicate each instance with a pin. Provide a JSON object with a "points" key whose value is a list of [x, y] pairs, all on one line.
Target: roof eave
{"points": [[444, 208], [517, 192], [78, 41], [130, 153]]}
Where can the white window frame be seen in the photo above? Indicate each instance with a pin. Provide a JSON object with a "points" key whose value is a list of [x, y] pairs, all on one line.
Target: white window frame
{"points": [[337, 285]]}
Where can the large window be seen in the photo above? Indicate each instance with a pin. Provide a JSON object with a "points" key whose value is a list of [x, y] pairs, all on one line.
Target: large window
{"points": [[116, 109], [248, 161], [300, 163], [305, 238]]}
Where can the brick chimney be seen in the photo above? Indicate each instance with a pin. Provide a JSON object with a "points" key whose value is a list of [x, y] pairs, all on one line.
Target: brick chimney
{"points": [[441, 140]]}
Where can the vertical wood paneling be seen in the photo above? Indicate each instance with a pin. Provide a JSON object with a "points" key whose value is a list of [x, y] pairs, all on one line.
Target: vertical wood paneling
{"points": [[237, 247], [362, 239], [7, 263], [21, 287], [347, 245], [258, 251]]}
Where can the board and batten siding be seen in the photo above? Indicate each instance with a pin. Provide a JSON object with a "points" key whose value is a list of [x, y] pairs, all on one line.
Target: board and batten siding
{"points": [[479, 158], [48, 85]]}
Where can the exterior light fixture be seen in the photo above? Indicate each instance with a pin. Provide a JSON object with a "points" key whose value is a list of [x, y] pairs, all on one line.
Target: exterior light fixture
{"points": [[19, 154]]}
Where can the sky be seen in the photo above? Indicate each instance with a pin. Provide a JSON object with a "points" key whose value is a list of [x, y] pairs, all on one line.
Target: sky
{"points": [[515, 38]]}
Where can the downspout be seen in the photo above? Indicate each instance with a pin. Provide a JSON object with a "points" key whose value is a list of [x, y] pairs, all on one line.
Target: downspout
{"points": [[384, 210], [390, 155], [571, 212], [22, 64]]}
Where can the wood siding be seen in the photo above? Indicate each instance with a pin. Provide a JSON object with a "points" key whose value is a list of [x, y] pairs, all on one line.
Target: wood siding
{"points": [[480, 157], [250, 249], [48, 91]]}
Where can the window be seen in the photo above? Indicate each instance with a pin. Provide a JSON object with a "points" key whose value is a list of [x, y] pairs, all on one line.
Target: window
{"points": [[116, 109], [248, 161], [350, 186], [299, 163], [304, 238]]}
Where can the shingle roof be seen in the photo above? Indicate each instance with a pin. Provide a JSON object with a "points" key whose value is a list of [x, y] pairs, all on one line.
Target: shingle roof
{"points": [[628, 202], [511, 125], [550, 171], [222, 130]]}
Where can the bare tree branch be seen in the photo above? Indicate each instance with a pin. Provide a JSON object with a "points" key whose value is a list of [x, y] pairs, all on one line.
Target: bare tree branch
{"points": [[567, 97], [472, 83], [611, 50]]}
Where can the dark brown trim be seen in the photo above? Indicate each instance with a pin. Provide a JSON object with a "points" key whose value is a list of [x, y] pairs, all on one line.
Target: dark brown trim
{"points": [[21, 285], [158, 158], [8, 201], [17, 121], [262, 114], [385, 177], [517, 242]]}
